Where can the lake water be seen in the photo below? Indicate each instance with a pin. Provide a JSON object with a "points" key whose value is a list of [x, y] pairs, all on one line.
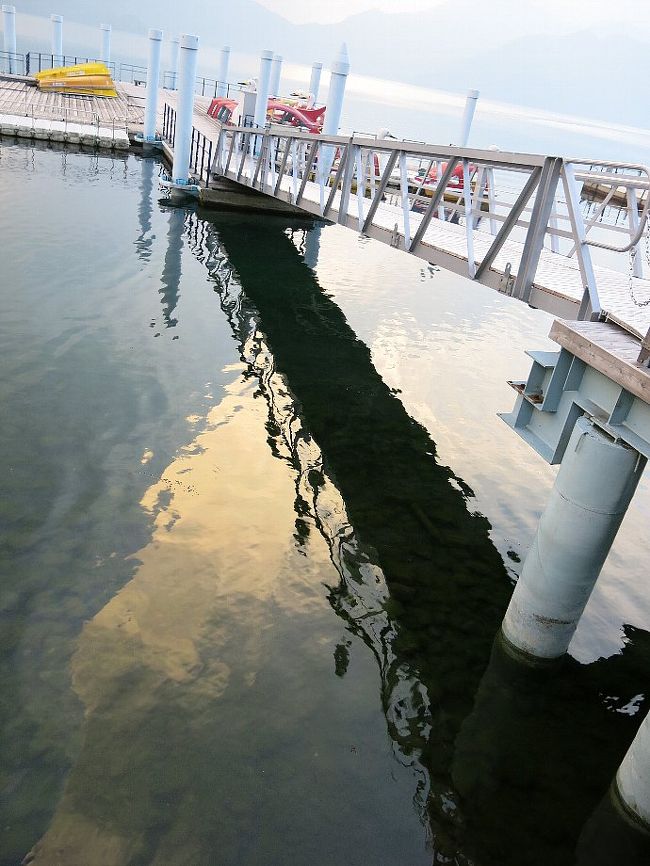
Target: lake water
{"points": [[260, 525]]}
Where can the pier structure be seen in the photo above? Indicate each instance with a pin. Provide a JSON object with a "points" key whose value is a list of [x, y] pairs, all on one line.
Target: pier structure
{"points": [[468, 116], [57, 38], [513, 222], [105, 54], [314, 81], [9, 36], [586, 407], [189, 46], [263, 86], [153, 82], [224, 62], [174, 47], [276, 71]]}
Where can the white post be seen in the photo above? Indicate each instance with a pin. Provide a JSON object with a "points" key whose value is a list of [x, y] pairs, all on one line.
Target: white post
{"points": [[633, 777], [57, 39], [189, 50], [468, 116], [173, 63], [9, 31], [263, 81], [593, 488], [106, 43], [276, 70], [224, 60], [314, 81], [338, 78], [153, 83]]}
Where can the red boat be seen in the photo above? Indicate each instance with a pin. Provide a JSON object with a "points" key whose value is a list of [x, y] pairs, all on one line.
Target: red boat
{"points": [[295, 115], [222, 109], [277, 111]]}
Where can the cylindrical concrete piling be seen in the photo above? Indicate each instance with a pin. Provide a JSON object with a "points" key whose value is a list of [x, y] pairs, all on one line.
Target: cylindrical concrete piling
{"points": [[9, 37], [263, 82], [224, 62], [276, 71], [189, 50], [468, 116], [173, 64], [153, 83], [593, 488], [314, 81], [106, 43], [57, 39], [338, 79], [633, 777]]}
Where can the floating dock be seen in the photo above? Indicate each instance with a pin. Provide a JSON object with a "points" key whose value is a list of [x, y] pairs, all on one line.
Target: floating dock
{"points": [[27, 112]]}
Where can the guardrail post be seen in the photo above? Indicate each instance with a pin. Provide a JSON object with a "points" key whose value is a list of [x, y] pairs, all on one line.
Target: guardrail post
{"points": [[633, 222], [9, 31], [644, 354], [591, 302], [534, 242]]}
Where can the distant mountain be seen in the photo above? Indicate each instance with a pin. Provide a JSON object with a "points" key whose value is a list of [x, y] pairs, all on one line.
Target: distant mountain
{"points": [[451, 47]]}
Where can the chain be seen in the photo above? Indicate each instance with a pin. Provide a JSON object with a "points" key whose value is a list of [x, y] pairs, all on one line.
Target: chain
{"points": [[633, 255]]}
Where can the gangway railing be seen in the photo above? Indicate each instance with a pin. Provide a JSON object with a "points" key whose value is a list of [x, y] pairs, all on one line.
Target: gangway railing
{"points": [[511, 221], [201, 147]]}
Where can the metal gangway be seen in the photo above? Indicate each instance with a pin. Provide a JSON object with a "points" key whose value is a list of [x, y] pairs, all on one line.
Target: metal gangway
{"points": [[566, 235]]}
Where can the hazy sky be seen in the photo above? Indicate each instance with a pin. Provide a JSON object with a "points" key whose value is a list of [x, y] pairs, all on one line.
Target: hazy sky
{"points": [[565, 14], [324, 11]]}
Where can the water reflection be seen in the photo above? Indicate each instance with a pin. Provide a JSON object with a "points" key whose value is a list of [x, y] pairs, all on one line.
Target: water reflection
{"points": [[203, 720], [172, 271], [538, 750], [541, 767], [145, 239], [312, 245]]}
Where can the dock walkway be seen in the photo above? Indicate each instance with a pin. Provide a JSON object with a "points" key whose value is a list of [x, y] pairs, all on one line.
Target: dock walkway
{"points": [[28, 112], [558, 285]]}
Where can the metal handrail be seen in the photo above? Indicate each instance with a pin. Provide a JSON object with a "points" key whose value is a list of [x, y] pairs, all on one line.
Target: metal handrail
{"points": [[602, 178]]}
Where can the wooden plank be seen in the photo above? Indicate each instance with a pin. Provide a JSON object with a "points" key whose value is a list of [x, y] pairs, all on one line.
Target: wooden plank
{"points": [[608, 349]]}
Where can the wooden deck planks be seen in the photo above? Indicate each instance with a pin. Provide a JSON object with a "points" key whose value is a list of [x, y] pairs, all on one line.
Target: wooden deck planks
{"points": [[20, 98], [608, 349]]}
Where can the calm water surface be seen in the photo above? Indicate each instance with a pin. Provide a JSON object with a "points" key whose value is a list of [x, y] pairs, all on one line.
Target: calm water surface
{"points": [[260, 525]]}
